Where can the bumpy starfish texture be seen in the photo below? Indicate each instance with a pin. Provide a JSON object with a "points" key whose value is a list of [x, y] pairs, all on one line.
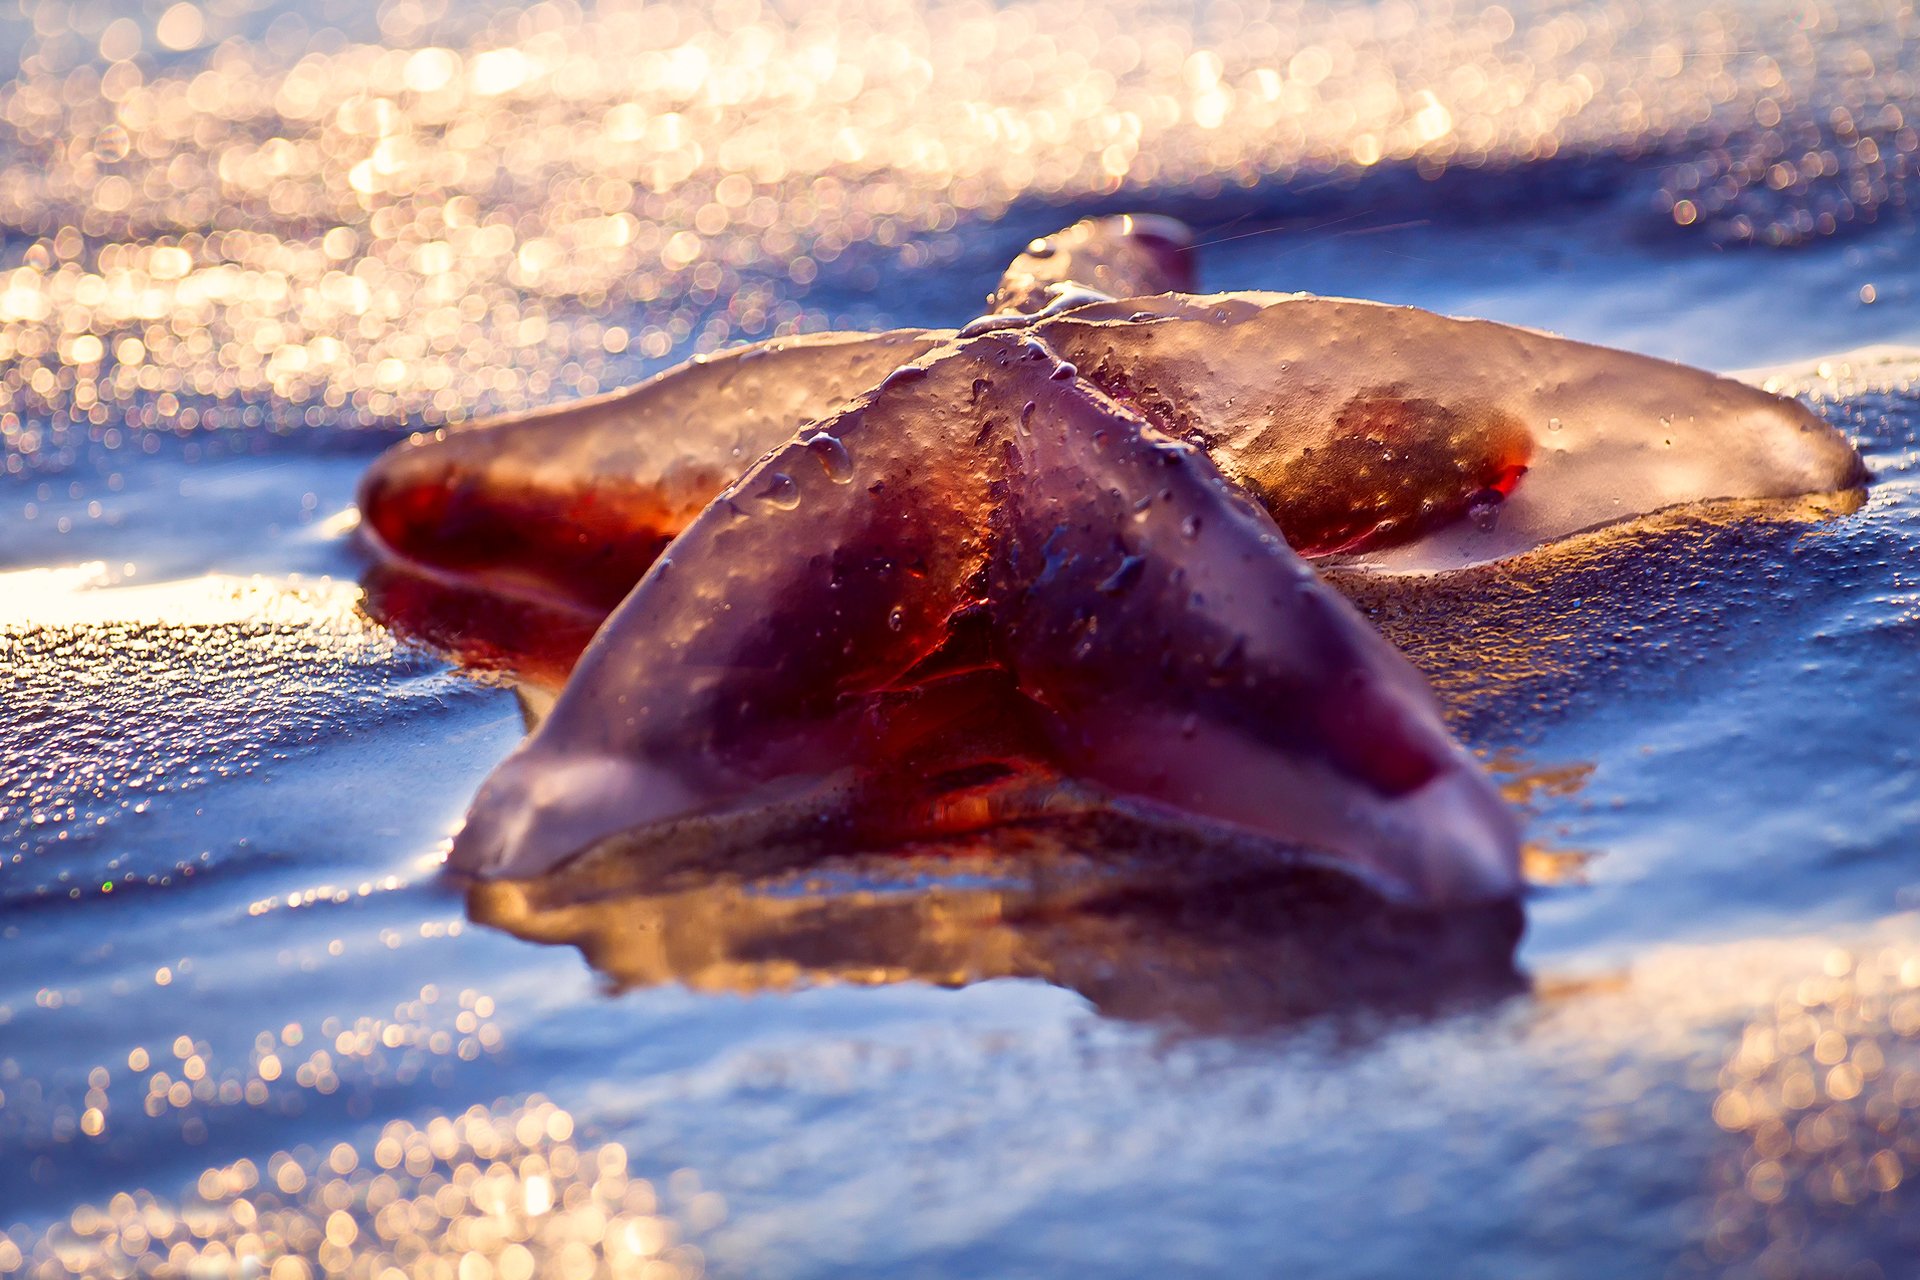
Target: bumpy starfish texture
{"points": [[985, 570], [1043, 564]]}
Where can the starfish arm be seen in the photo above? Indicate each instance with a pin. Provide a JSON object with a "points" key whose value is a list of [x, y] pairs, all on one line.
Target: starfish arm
{"points": [[1427, 442], [1124, 256], [570, 504], [738, 674], [988, 556], [1188, 659]]}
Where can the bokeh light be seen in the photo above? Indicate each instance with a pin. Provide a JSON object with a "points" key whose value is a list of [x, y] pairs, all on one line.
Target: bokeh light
{"points": [[220, 220]]}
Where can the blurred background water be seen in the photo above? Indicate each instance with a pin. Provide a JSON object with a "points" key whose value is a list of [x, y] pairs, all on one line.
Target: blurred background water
{"points": [[246, 1026]]}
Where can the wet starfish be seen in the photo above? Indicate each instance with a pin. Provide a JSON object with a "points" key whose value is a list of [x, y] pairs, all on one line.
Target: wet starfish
{"points": [[919, 582]]}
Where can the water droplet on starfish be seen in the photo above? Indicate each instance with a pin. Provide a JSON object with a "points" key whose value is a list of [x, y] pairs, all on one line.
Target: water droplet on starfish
{"points": [[780, 491], [832, 456], [993, 322]]}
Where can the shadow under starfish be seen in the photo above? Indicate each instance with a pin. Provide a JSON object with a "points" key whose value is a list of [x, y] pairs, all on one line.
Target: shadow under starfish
{"points": [[1119, 914]]}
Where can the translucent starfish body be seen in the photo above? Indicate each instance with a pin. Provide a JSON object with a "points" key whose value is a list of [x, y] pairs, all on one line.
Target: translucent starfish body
{"points": [[575, 502], [1044, 565], [985, 569], [1401, 439]]}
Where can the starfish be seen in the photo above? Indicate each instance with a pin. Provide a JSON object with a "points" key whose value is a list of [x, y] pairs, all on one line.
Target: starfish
{"points": [[884, 586]]}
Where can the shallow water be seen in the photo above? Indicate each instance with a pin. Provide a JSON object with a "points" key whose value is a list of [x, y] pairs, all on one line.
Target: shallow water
{"points": [[235, 976]]}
